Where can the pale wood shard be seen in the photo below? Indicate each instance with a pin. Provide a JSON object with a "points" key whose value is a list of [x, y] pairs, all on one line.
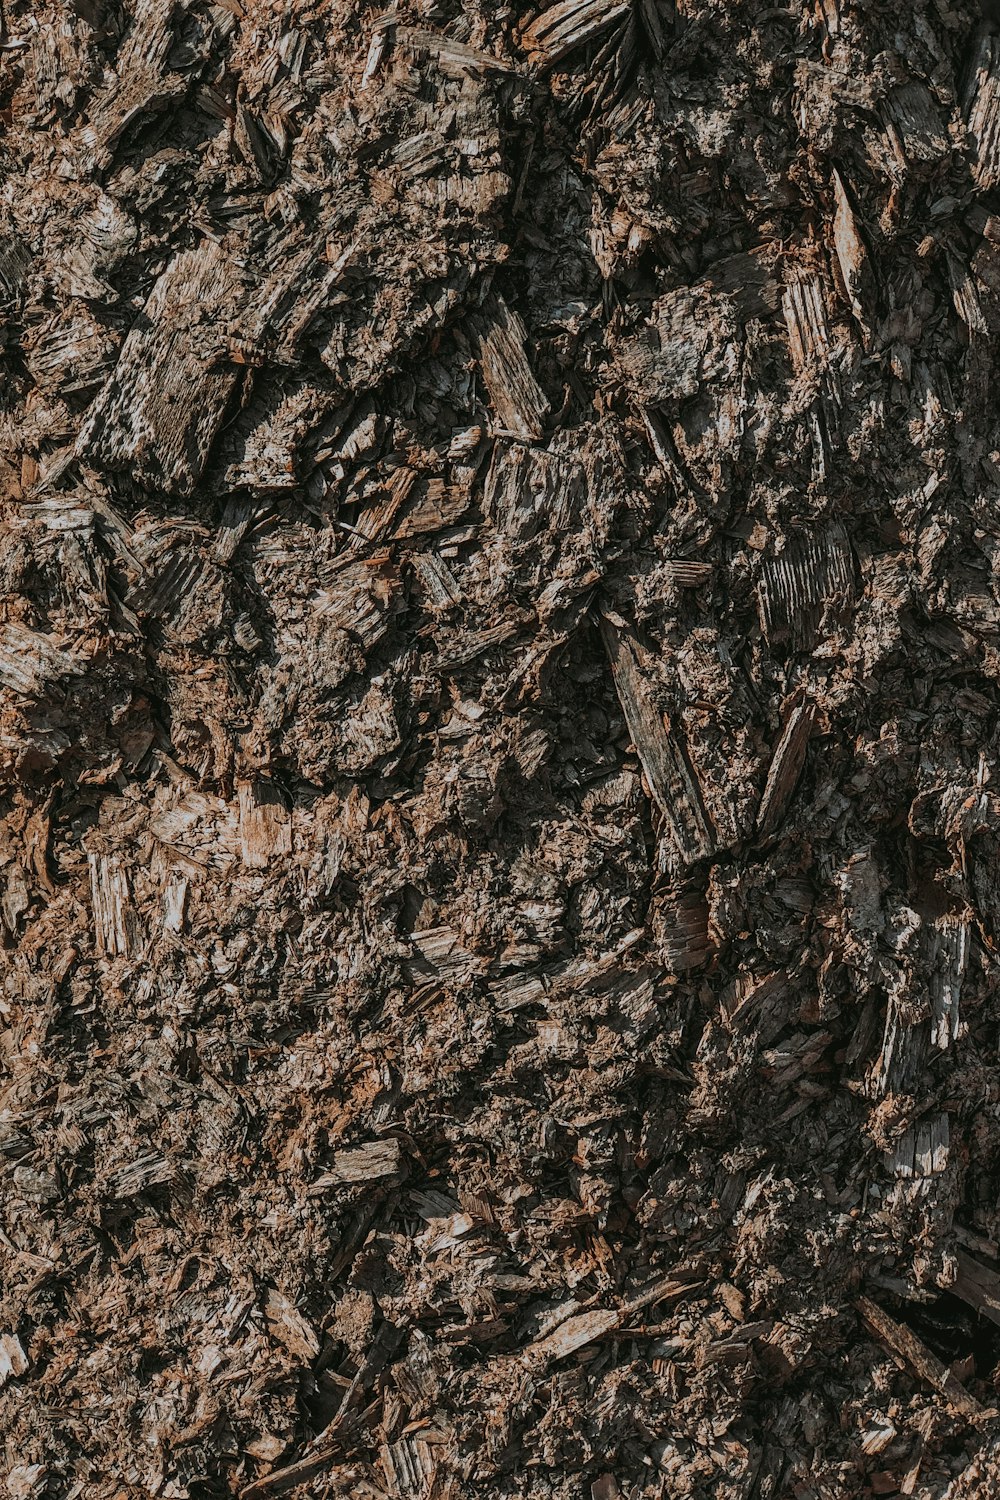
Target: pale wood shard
{"points": [[439, 583], [265, 826], [572, 1335], [199, 832], [672, 778], [57, 58], [163, 405], [152, 1169], [795, 1057], [411, 1464], [378, 520], [264, 450], [758, 1008], [24, 1481], [443, 949], [378, 1161], [852, 258], [920, 1155], [519, 403], [687, 574], [436, 510], [110, 896], [568, 25], [452, 56], [31, 662], [174, 570], [811, 578], [965, 296], [175, 905], [982, 108], [577, 1331], [736, 1347], [786, 764], [949, 957], [903, 1052], [905, 1344], [13, 1360]]}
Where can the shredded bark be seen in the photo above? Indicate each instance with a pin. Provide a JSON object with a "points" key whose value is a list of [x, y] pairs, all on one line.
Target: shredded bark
{"points": [[499, 822]]}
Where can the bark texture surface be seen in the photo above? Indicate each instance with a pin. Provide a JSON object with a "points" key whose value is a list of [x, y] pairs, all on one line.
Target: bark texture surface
{"points": [[499, 750]]}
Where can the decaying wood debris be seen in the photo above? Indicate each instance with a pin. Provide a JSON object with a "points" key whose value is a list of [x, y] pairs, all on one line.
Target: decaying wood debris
{"points": [[500, 809]]}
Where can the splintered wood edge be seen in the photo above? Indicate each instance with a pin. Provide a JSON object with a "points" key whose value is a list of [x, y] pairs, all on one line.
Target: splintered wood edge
{"points": [[903, 1342]]}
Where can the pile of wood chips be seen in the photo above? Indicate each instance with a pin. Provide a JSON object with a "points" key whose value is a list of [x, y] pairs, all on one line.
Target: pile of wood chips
{"points": [[499, 750]]}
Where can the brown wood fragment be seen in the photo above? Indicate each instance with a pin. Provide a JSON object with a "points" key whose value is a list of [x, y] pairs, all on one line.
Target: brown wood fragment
{"points": [[796, 588], [518, 402], [452, 56], [904, 1343], [852, 257], [982, 107], [289, 1326], [681, 921], [977, 1285], [378, 1161], [528, 490], [161, 408], [786, 764], [265, 827], [563, 27], [672, 778], [342, 1479]]}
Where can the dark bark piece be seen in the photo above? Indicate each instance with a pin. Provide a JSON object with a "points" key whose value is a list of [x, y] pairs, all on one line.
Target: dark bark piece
{"points": [[977, 1285], [797, 588], [14, 263]]}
